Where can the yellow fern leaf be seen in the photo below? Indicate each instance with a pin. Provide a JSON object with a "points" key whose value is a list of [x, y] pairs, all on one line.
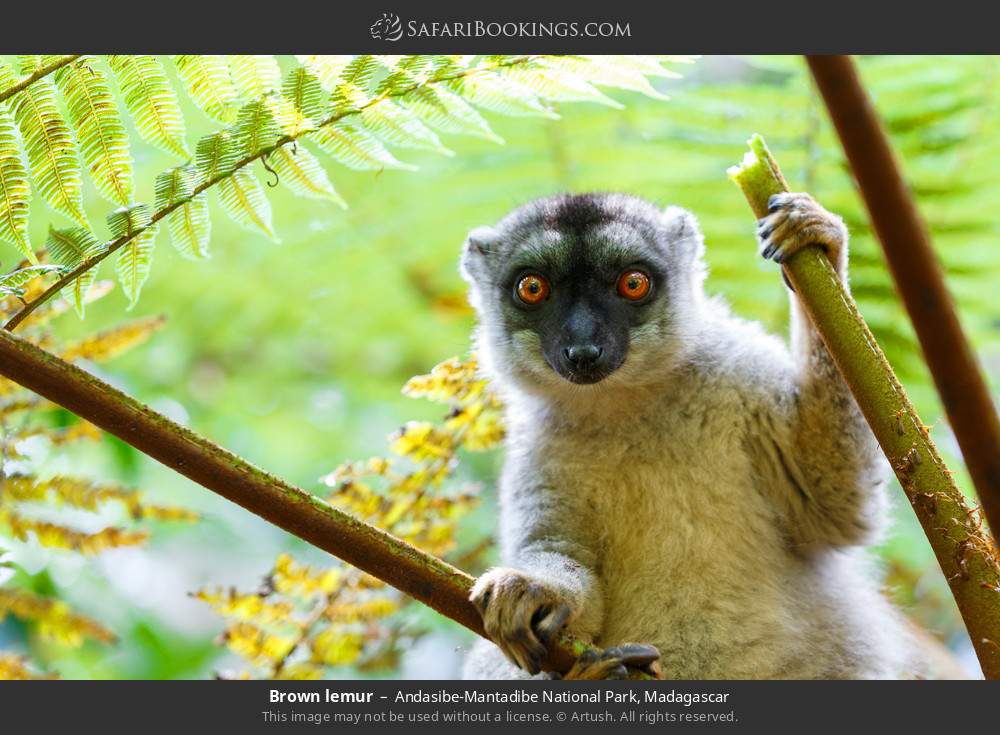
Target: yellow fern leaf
{"points": [[54, 618], [113, 342]]}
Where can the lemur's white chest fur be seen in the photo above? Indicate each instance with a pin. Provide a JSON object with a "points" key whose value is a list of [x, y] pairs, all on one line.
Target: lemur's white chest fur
{"points": [[703, 488]]}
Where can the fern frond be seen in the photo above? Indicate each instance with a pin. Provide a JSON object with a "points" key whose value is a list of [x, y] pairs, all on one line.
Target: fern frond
{"points": [[151, 101], [136, 257], [12, 284], [56, 536], [299, 170], [243, 198], [54, 618], [50, 148], [134, 262], [501, 94], [209, 84], [555, 84], [613, 71], [303, 89], [355, 147], [99, 130], [214, 156], [326, 68], [448, 113], [190, 225], [255, 129], [254, 76], [395, 124], [15, 191], [69, 248], [16, 668]]}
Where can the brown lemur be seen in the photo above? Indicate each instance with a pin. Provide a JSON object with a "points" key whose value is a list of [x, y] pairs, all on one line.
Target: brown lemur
{"points": [[674, 475]]}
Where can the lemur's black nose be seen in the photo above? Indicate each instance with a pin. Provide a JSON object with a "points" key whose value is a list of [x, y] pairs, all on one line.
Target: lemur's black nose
{"points": [[584, 356]]}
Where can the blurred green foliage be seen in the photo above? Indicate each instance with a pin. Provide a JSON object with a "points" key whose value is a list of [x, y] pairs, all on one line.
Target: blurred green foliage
{"points": [[293, 355]]}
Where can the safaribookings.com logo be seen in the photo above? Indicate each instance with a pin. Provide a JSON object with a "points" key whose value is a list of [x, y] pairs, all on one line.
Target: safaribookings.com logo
{"points": [[390, 28]]}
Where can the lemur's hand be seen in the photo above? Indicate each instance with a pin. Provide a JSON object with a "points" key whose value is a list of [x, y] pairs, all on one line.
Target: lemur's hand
{"points": [[615, 663], [521, 615], [797, 220]]}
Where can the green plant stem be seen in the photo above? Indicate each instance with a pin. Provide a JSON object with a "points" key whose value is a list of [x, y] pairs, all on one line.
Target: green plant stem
{"points": [[38, 74], [423, 576], [90, 262], [966, 553]]}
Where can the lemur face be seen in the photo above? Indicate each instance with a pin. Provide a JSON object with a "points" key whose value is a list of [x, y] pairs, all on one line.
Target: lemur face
{"points": [[577, 286]]}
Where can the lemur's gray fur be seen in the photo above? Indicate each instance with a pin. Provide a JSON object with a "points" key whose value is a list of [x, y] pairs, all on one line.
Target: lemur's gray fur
{"points": [[703, 489]]}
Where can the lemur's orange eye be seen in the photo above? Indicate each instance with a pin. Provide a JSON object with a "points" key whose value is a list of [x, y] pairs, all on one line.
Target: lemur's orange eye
{"points": [[633, 285], [532, 289]]}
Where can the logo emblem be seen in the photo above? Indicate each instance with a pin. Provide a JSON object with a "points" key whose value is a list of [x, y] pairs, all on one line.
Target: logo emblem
{"points": [[387, 28]]}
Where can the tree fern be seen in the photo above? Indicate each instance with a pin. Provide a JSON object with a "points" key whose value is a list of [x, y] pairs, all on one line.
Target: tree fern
{"points": [[135, 258], [243, 199], [49, 144], [302, 172], [189, 224], [210, 85], [103, 142], [151, 101], [354, 108], [65, 513], [15, 191], [255, 76], [69, 248]]}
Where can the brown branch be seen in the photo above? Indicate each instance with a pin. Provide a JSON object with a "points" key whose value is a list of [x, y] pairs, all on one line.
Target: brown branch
{"points": [[917, 274], [964, 550], [263, 153], [421, 575], [38, 74]]}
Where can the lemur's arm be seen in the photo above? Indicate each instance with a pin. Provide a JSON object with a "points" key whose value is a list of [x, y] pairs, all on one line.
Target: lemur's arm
{"points": [[549, 582], [824, 451]]}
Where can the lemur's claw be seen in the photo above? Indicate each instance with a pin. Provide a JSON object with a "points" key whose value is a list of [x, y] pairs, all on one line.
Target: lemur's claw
{"points": [[521, 615], [615, 663], [795, 221]]}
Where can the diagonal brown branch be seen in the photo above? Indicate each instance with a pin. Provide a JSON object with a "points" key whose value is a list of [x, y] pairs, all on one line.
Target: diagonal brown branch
{"points": [[917, 274], [421, 575], [263, 153], [38, 74]]}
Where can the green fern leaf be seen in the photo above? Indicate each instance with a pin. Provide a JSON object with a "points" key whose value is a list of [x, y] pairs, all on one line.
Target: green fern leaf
{"points": [[99, 130], [151, 102], [189, 225], [11, 283], [496, 93], [50, 147], [355, 147], [326, 68], [207, 80], [397, 125], [610, 71], [254, 76], [303, 89], [136, 257], [15, 191], [214, 156], [447, 112], [244, 200], [69, 248], [255, 129], [299, 170], [556, 84], [362, 70]]}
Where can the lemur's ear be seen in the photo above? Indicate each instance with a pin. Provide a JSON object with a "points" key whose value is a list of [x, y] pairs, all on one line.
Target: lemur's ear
{"points": [[683, 234], [479, 245]]}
